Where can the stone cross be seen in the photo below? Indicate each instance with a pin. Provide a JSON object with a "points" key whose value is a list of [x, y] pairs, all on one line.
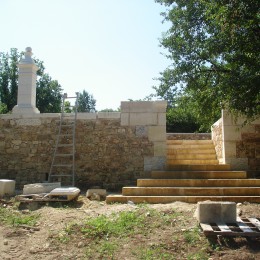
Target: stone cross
{"points": [[26, 99]]}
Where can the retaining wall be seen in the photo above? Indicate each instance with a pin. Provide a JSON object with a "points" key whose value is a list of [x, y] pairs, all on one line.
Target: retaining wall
{"points": [[112, 149]]}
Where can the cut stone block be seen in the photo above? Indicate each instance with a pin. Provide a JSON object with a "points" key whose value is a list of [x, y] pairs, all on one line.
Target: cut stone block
{"points": [[216, 212], [96, 194], [7, 187], [37, 188], [71, 193]]}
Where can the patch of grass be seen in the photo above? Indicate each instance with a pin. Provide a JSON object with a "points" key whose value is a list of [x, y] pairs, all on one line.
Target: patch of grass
{"points": [[154, 252], [123, 224], [201, 255], [16, 218], [192, 236]]}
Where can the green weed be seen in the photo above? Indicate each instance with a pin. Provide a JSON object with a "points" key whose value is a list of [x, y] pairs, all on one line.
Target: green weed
{"points": [[192, 236], [16, 218]]}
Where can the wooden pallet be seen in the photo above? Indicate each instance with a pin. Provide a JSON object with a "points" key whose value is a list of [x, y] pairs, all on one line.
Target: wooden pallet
{"points": [[246, 227]]}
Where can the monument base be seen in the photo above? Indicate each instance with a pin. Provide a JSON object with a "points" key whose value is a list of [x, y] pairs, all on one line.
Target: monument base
{"points": [[20, 109]]}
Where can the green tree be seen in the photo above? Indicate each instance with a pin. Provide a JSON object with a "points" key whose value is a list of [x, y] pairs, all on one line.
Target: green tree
{"points": [[86, 102], [48, 94], [214, 47], [48, 91], [9, 79]]}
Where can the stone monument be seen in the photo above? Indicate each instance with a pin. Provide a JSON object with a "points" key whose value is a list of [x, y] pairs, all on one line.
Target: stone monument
{"points": [[26, 99]]}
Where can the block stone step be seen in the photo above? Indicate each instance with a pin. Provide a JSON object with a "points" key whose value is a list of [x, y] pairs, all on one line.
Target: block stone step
{"points": [[191, 191], [191, 151], [199, 167], [198, 174], [198, 183], [171, 162], [170, 199], [197, 156]]}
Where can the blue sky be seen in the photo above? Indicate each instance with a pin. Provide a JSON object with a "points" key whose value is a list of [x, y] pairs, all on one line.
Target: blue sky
{"points": [[110, 48]]}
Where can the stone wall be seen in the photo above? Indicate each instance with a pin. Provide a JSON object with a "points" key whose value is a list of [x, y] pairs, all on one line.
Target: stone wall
{"points": [[240, 145], [111, 150], [217, 138], [188, 136]]}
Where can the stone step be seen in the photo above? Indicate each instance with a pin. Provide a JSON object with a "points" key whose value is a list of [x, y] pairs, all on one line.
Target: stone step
{"points": [[190, 146], [188, 142], [198, 174], [191, 151], [170, 199], [184, 156], [191, 191], [189, 162], [197, 167], [198, 183]]}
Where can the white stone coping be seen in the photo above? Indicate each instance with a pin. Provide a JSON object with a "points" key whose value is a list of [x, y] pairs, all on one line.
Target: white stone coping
{"points": [[91, 116]]}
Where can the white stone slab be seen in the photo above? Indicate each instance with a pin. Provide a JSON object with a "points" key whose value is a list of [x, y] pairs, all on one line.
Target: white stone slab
{"points": [[37, 188], [100, 192], [7, 187]]}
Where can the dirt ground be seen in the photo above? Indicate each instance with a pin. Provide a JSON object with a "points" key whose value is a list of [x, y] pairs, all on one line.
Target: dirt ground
{"points": [[20, 243]]}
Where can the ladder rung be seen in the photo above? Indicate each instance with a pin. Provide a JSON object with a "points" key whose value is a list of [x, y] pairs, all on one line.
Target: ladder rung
{"points": [[67, 125], [65, 145]]}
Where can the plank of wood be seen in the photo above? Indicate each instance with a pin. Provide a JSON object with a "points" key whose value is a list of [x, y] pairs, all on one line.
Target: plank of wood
{"points": [[207, 229], [244, 227], [255, 222], [223, 227]]}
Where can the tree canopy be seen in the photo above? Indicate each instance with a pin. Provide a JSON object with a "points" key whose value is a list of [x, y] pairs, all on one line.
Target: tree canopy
{"points": [[86, 102], [214, 48], [48, 91]]}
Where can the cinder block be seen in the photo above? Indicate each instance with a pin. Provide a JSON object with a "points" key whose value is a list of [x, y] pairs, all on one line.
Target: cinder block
{"points": [[7, 187], [215, 212], [124, 119], [37, 188], [160, 148]]}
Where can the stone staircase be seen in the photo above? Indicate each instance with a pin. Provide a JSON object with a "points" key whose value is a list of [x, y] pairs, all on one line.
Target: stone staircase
{"points": [[193, 174]]}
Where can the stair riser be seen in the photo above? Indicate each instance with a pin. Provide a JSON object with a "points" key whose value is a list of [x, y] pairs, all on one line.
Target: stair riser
{"points": [[183, 142], [170, 199], [191, 157], [191, 162], [154, 191], [191, 146], [181, 167], [198, 175], [190, 151], [198, 183]]}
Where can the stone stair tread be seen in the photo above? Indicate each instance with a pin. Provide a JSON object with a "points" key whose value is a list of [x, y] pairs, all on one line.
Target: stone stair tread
{"points": [[198, 167], [194, 156], [191, 151], [190, 146], [191, 161], [170, 199], [198, 182], [189, 142]]}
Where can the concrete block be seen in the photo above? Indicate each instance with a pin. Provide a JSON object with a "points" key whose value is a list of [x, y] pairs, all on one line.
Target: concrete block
{"points": [[37, 188], [71, 192], [7, 187], [215, 212], [143, 106], [90, 116]]}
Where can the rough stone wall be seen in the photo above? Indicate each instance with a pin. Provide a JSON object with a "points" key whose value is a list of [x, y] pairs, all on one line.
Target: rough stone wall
{"points": [[239, 143], [188, 136], [110, 151], [217, 138], [107, 154], [249, 147]]}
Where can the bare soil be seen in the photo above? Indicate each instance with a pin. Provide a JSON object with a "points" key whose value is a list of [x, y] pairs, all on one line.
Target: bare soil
{"points": [[20, 243]]}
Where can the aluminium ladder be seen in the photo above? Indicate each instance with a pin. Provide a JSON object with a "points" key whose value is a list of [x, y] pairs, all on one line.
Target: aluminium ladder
{"points": [[63, 161]]}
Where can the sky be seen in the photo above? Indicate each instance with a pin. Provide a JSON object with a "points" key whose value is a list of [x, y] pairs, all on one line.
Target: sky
{"points": [[110, 48]]}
